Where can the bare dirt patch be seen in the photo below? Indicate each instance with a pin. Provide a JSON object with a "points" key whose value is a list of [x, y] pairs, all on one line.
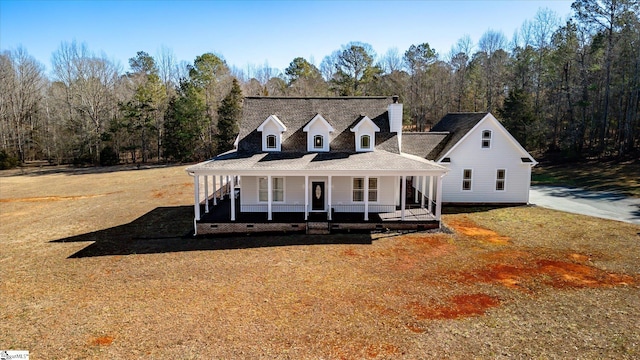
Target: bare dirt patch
{"points": [[115, 276]]}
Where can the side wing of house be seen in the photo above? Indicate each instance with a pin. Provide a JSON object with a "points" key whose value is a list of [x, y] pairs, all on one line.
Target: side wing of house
{"points": [[487, 165]]}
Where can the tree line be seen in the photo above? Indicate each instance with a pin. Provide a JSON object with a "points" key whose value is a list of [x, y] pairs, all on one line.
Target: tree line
{"points": [[569, 87]]}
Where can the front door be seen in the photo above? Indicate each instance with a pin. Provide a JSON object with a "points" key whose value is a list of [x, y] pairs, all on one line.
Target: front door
{"points": [[317, 196]]}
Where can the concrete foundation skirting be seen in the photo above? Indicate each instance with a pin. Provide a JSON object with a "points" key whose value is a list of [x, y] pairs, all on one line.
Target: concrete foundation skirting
{"points": [[244, 228]]}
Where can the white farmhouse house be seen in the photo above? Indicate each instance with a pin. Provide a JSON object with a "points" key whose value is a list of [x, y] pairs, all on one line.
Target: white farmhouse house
{"points": [[320, 165], [337, 164]]}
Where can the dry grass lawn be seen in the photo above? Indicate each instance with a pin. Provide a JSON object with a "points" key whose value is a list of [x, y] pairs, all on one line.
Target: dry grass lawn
{"points": [[96, 264]]}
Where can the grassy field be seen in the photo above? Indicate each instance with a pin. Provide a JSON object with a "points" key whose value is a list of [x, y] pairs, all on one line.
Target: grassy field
{"points": [[97, 263], [593, 175]]}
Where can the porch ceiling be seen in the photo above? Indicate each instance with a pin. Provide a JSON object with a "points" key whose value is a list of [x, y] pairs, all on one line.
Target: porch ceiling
{"points": [[331, 163]]}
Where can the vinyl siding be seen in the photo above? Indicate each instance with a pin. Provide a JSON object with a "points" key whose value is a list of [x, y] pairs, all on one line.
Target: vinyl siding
{"points": [[484, 163], [341, 194]]}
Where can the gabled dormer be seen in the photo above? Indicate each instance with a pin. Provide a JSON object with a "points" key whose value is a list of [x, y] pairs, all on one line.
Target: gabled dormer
{"points": [[272, 129], [318, 130], [365, 131]]}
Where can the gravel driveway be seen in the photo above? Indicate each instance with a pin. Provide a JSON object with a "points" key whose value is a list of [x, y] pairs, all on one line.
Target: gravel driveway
{"points": [[602, 204]]}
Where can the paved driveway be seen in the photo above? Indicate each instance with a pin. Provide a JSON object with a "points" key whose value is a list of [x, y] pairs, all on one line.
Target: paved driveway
{"points": [[603, 204]]}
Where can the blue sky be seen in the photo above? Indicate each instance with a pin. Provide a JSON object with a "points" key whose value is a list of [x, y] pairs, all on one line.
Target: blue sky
{"points": [[255, 32]]}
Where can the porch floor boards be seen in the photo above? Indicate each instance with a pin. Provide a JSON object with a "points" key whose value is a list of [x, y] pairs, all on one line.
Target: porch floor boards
{"points": [[221, 213]]}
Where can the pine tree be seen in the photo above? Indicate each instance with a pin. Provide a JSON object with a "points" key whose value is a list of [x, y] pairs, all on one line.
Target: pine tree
{"points": [[229, 114]]}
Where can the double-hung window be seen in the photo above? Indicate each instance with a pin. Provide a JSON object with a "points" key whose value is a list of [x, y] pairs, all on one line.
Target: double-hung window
{"points": [[277, 189], [466, 179], [501, 175], [358, 189], [486, 139], [318, 142]]}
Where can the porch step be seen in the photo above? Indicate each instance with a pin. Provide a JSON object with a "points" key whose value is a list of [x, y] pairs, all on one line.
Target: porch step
{"points": [[318, 228]]}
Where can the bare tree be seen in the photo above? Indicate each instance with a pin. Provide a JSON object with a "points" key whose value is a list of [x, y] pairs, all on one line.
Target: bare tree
{"points": [[89, 82], [22, 85]]}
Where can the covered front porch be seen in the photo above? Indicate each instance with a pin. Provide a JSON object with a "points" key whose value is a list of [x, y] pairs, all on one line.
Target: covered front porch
{"points": [[415, 205]]}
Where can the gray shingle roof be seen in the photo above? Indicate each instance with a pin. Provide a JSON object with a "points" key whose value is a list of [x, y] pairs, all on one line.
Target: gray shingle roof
{"points": [[296, 162], [458, 125], [427, 145], [341, 112]]}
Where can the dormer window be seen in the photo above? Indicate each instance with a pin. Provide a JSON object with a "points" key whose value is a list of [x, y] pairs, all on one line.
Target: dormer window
{"points": [[318, 130], [271, 142], [365, 131], [486, 139], [272, 129], [365, 142]]}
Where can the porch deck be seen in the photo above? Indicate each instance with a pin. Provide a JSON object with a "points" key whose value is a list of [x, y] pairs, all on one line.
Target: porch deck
{"points": [[217, 221]]}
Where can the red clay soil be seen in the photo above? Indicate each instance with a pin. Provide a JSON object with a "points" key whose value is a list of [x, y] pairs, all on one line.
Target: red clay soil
{"points": [[101, 341], [459, 306], [518, 269]]}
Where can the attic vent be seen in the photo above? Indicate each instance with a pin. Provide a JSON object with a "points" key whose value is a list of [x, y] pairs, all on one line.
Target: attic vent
{"points": [[447, 160]]}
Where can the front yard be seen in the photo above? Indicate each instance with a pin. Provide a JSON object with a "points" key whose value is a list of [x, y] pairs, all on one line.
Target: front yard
{"points": [[99, 265]]}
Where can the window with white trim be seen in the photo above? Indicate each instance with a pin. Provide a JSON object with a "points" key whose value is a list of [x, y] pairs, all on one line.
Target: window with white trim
{"points": [[318, 142], [486, 139], [271, 142], [358, 189], [466, 179], [277, 189], [365, 142], [501, 175]]}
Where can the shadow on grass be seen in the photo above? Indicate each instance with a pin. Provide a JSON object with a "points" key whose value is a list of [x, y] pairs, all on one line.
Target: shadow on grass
{"points": [[169, 229]]}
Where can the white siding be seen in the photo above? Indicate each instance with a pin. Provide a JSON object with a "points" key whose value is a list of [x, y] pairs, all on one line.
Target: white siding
{"points": [[502, 154], [341, 194]]}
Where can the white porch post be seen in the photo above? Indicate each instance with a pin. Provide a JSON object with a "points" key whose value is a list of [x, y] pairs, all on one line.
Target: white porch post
{"points": [[221, 187], [196, 193], [206, 194], [269, 198], [306, 197], [439, 198], [415, 182], [215, 202], [423, 186], [233, 200], [329, 198], [403, 196], [366, 198], [431, 189]]}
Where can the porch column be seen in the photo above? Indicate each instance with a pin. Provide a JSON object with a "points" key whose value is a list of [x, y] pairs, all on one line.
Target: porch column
{"points": [[196, 193], [403, 196], [439, 197], [221, 187], [366, 198], [213, 178], [431, 189], [329, 197], [206, 194], [415, 181], [233, 199], [269, 198], [306, 197], [423, 186]]}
